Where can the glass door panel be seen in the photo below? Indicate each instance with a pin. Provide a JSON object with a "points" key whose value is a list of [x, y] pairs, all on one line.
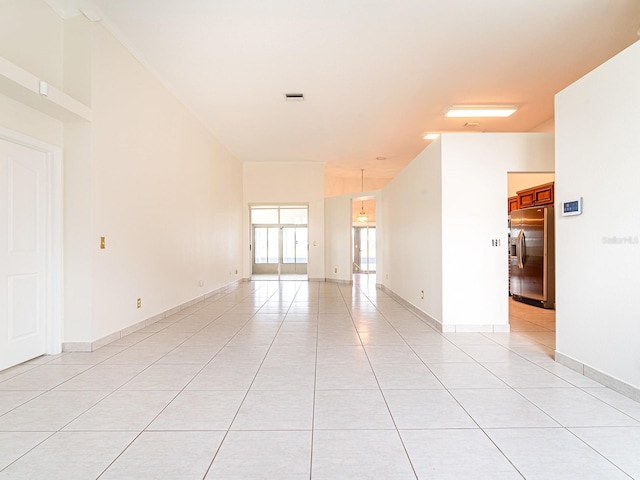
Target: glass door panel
{"points": [[293, 216], [294, 250], [371, 250], [288, 245], [266, 250], [364, 250]]}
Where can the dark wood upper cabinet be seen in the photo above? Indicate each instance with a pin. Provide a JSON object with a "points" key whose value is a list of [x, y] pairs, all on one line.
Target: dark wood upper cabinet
{"points": [[533, 197], [513, 203]]}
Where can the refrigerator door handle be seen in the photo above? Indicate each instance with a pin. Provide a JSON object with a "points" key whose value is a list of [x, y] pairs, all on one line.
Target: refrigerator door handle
{"points": [[521, 247]]}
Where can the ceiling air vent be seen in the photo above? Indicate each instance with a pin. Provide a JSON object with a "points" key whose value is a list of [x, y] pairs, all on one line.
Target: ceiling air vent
{"points": [[294, 96]]}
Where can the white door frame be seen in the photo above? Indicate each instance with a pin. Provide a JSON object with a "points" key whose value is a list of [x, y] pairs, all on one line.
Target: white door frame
{"points": [[54, 245]]}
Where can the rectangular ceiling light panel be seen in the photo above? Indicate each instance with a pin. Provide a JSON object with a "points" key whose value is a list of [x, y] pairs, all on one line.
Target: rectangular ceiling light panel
{"points": [[470, 111]]}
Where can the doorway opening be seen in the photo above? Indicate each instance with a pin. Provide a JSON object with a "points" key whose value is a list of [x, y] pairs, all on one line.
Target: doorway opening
{"points": [[279, 242], [531, 277], [363, 239]]}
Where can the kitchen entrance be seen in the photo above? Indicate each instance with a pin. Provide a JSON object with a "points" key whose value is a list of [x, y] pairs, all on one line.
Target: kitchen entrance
{"points": [[531, 257], [279, 242]]}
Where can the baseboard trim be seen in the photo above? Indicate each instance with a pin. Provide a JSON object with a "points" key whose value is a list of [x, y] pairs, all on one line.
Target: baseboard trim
{"points": [[473, 328], [426, 318], [101, 342], [338, 281], [605, 379], [432, 322]]}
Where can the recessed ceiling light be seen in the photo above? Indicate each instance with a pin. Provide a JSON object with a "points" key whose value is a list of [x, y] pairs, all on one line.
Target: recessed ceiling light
{"points": [[431, 136], [471, 124], [294, 96], [381, 158], [457, 111]]}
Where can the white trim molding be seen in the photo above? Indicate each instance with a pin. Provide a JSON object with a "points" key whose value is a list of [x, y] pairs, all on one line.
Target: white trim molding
{"points": [[101, 342], [613, 383], [54, 240]]}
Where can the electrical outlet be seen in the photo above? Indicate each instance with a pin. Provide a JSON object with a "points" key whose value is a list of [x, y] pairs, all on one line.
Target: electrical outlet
{"points": [[103, 243], [335, 270], [138, 303], [422, 294], [201, 283], [236, 271]]}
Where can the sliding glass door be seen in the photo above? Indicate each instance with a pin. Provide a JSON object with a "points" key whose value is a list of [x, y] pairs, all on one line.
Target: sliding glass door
{"points": [[281, 246]]}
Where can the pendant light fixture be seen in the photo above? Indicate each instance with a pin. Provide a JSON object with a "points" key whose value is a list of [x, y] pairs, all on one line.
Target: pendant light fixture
{"points": [[362, 217]]}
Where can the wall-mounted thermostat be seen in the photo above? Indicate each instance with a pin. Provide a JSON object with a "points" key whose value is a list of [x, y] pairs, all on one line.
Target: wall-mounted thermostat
{"points": [[572, 207]]}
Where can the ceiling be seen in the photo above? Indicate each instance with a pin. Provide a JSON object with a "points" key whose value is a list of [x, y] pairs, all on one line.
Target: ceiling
{"points": [[376, 74]]}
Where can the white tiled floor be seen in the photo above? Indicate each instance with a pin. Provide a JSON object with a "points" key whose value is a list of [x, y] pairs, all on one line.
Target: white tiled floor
{"points": [[297, 380]]}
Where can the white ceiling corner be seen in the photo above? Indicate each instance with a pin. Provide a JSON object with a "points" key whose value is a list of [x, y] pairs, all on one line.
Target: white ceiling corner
{"points": [[64, 8]]}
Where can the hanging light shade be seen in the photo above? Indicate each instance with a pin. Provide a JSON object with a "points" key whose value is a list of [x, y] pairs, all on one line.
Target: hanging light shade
{"points": [[362, 216]]}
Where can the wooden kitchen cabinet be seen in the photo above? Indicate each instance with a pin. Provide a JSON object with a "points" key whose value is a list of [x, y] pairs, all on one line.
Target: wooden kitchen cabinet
{"points": [[513, 203], [544, 194], [535, 196]]}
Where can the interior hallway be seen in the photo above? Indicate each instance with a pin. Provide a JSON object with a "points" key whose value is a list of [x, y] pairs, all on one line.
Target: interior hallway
{"points": [[297, 380]]}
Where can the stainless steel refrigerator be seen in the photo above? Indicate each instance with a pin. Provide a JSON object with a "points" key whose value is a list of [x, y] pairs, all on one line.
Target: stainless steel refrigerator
{"points": [[532, 256]]}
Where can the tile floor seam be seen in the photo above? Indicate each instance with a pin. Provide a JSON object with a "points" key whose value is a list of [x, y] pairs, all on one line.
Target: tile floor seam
{"points": [[597, 451], [503, 453], [185, 386], [534, 363], [430, 370], [119, 455], [247, 392], [315, 385], [187, 339], [397, 431], [586, 390], [375, 326], [29, 451]]}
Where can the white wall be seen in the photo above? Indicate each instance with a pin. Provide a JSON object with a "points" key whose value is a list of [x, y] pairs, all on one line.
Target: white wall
{"points": [[287, 183], [443, 212], [79, 243], [144, 173], [474, 192], [412, 238], [337, 224], [31, 36], [598, 158], [17, 116], [166, 194]]}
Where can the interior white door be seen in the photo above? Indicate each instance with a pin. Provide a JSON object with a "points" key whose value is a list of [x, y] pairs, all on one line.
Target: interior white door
{"points": [[23, 230]]}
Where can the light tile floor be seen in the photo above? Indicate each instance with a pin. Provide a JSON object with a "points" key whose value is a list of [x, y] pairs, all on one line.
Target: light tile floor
{"points": [[296, 380]]}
